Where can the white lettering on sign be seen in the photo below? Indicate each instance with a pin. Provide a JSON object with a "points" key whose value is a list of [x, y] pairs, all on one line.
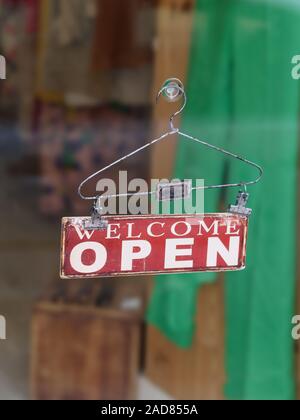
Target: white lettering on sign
{"points": [[130, 232], [214, 226], [112, 231], [232, 229], [151, 227], [154, 245], [156, 230], [132, 251], [216, 247], [84, 233], [187, 231], [172, 252], [77, 254]]}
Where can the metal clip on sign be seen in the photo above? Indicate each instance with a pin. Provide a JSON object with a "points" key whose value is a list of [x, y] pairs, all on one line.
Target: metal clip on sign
{"points": [[216, 242]]}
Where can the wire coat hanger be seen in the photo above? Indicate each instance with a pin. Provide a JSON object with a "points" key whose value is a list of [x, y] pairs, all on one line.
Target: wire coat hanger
{"points": [[173, 90]]}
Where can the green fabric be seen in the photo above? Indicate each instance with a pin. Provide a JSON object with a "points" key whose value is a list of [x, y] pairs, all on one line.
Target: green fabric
{"points": [[242, 96], [260, 300], [206, 117]]}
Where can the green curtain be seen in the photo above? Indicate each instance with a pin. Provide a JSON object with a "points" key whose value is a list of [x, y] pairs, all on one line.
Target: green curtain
{"points": [[242, 96], [173, 305], [260, 300]]}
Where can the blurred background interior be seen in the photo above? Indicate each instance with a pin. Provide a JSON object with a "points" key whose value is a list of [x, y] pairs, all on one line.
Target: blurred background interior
{"points": [[82, 77]]}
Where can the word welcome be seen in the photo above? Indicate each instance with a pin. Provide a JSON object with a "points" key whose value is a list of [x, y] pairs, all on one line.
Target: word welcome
{"points": [[154, 244], [2, 68], [2, 328]]}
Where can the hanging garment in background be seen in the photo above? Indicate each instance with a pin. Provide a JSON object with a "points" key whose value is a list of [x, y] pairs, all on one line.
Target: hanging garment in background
{"points": [[31, 11], [65, 54], [246, 54], [18, 24], [260, 302], [65, 69], [124, 34], [69, 19]]}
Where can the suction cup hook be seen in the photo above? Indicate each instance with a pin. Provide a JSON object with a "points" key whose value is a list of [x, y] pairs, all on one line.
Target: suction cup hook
{"points": [[173, 91]]}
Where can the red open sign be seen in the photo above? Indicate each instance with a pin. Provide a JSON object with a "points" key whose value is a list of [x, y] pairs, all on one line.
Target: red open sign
{"points": [[132, 245]]}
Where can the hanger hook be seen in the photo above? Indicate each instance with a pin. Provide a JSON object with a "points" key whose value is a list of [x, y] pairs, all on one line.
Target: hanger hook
{"points": [[172, 91]]}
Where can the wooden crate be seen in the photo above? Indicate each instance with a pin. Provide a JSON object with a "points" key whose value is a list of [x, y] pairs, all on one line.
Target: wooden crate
{"points": [[81, 351]]}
